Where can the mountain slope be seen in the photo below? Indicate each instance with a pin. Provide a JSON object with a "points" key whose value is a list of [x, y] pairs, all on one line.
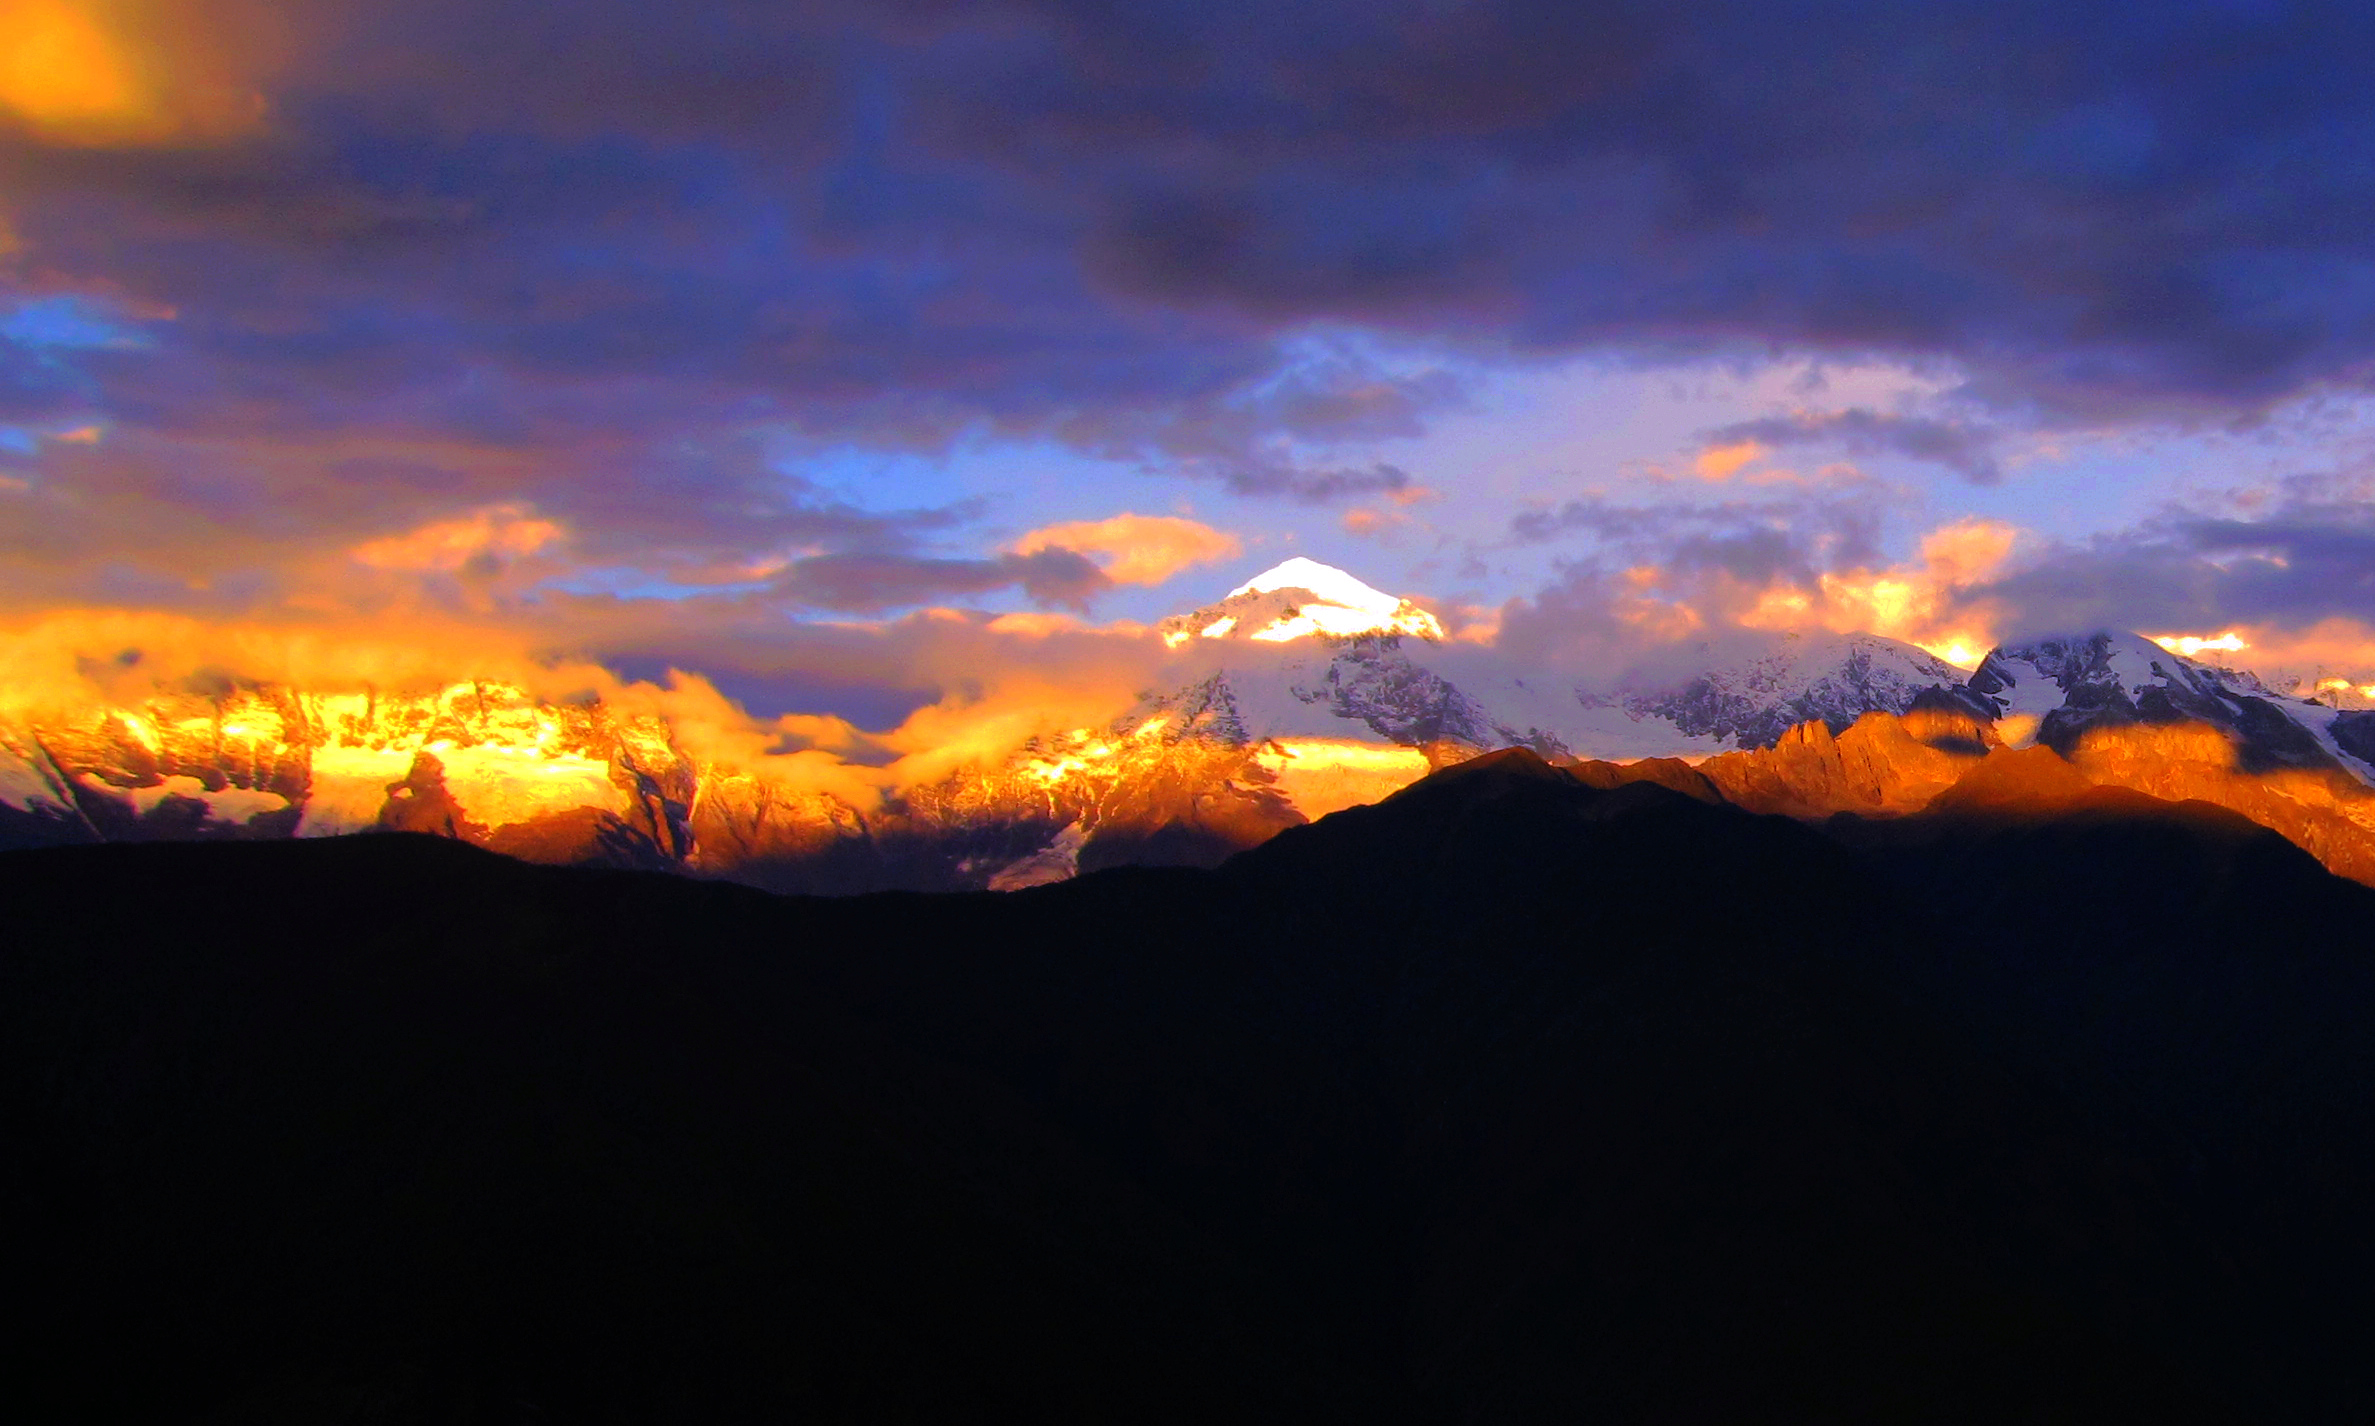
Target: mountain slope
{"points": [[1831, 679]]}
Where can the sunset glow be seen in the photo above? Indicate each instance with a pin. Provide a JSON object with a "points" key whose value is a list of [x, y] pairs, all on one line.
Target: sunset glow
{"points": [[870, 421], [1388, 710]]}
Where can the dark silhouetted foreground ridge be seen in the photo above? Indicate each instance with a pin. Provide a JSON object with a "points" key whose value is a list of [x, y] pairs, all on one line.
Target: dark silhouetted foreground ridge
{"points": [[1508, 1099]]}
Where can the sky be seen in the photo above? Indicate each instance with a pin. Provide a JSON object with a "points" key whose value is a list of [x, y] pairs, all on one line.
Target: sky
{"points": [[891, 366]]}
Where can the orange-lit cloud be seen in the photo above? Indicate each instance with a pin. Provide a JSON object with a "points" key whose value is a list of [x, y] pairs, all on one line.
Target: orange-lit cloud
{"points": [[1386, 525], [1639, 605], [69, 658], [1474, 624], [1918, 602], [1722, 462], [89, 73], [1371, 524], [1135, 549], [496, 532], [1045, 623], [2329, 655]]}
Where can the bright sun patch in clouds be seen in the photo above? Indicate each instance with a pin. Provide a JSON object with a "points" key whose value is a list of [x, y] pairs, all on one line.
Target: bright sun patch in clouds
{"points": [[78, 74], [2192, 645], [62, 71], [1135, 549], [2330, 655]]}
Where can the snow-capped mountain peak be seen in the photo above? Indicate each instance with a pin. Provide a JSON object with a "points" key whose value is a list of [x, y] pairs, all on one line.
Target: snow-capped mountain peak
{"points": [[1324, 580], [1300, 599], [2056, 687], [2037, 673]]}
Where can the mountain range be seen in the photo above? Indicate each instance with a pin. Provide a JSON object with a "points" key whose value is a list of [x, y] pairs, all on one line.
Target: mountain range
{"points": [[1301, 692]]}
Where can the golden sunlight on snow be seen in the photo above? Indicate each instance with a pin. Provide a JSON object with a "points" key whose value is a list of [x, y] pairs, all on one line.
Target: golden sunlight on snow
{"points": [[1320, 776], [349, 787], [500, 786], [1339, 623], [1299, 599]]}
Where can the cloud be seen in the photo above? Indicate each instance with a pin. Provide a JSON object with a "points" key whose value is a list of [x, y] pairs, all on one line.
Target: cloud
{"points": [[1793, 532], [493, 534], [902, 224], [1370, 524], [1722, 461], [1928, 602], [436, 272], [2293, 578], [859, 583], [1259, 437], [2297, 564], [1138, 549], [1965, 450], [1317, 485], [1668, 587], [435, 290]]}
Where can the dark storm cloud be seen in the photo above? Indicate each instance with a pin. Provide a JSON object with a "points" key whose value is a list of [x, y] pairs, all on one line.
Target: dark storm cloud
{"points": [[1965, 450]]}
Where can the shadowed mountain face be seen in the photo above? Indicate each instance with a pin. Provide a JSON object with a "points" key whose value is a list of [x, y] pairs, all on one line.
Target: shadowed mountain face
{"points": [[1510, 1098]]}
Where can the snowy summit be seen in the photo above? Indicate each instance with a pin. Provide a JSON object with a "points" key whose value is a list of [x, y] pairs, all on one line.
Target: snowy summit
{"points": [[1298, 599]]}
